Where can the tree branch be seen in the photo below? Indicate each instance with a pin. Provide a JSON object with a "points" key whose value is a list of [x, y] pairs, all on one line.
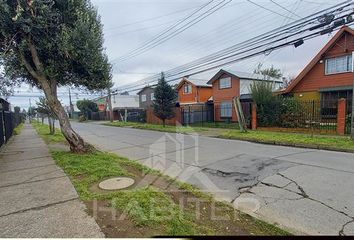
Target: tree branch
{"points": [[35, 56], [28, 66]]}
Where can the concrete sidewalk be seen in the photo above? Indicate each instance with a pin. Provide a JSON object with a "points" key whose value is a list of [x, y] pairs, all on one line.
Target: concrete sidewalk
{"points": [[37, 199]]}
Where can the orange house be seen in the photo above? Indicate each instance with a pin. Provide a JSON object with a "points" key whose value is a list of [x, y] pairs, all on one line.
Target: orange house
{"points": [[228, 84], [193, 91], [329, 76]]}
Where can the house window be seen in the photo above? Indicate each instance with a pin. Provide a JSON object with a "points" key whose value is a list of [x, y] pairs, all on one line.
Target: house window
{"points": [[341, 64], [143, 98], [226, 110], [187, 88], [152, 96], [225, 83]]}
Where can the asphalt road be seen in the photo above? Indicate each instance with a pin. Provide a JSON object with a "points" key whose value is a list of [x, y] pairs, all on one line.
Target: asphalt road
{"points": [[306, 191]]}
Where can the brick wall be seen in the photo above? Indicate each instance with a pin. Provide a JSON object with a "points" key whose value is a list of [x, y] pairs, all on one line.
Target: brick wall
{"points": [[152, 119]]}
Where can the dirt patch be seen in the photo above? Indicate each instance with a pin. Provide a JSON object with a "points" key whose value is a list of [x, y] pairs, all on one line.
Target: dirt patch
{"points": [[114, 223], [216, 218]]}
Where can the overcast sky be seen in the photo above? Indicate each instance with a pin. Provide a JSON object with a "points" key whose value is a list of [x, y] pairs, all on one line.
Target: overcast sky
{"points": [[130, 23]]}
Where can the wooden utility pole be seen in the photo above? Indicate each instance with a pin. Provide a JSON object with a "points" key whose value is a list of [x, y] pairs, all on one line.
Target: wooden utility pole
{"points": [[110, 105], [239, 113]]}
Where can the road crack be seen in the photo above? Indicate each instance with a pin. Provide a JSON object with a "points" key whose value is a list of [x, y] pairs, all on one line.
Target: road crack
{"points": [[341, 232]]}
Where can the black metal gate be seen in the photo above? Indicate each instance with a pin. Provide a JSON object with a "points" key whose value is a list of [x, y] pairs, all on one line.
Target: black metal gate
{"points": [[197, 114], [2, 132], [8, 125]]}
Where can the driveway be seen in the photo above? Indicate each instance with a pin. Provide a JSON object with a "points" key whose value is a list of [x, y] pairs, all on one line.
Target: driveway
{"points": [[303, 190]]}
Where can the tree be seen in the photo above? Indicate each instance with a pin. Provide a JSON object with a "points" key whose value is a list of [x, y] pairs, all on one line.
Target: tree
{"points": [[6, 86], [17, 109], [32, 111], [165, 100], [51, 43], [268, 73], [87, 107], [44, 109]]}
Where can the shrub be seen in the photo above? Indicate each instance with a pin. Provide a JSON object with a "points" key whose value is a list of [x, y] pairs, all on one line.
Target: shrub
{"points": [[82, 118]]}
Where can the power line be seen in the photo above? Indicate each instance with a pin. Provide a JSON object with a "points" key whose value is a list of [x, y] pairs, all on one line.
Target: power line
{"points": [[165, 31], [149, 19], [153, 43], [281, 6], [270, 10], [298, 24], [245, 43], [183, 28]]}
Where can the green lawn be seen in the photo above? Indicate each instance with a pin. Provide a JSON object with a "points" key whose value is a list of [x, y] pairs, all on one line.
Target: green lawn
{"points": [[43, 130], [156, 127], [340, 143], [18, 129], [149, 206], [222, 125]]}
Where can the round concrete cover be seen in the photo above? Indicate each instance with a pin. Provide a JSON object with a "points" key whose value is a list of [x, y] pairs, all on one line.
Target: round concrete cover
{"points": [[116, 183]]}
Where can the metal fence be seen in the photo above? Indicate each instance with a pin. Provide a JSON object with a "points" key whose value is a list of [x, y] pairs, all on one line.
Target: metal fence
{"points": [[197, 114], [2, 132], [8, 122], [317, 116]]}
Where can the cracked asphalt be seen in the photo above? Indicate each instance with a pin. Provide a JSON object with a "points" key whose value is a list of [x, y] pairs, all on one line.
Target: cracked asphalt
{"points": [[303, 190]]}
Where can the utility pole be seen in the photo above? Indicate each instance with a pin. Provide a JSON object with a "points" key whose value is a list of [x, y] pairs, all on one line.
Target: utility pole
{"points": [[110, 105], [30, 110], [71, 105]]}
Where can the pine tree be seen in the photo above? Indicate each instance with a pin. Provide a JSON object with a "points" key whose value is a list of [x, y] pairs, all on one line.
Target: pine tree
{"points": [[165, 100]]}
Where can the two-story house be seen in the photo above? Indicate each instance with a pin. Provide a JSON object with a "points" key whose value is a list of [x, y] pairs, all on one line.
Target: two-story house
{"points": [[329, 76], [193, 91], [228, 84], [146, 97]]}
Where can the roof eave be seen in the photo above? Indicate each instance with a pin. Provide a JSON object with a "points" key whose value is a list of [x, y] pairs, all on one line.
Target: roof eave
{"points": [[317, 58]]}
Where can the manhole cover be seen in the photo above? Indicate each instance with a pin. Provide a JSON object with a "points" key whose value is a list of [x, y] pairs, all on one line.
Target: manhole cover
{"points": [[116, 183]]}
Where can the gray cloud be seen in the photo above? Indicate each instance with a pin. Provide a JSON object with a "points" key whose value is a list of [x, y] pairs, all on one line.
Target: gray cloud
{"points": [[236, 22]]}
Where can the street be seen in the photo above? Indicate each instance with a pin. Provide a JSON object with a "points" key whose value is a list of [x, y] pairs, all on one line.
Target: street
{"points": [[304, 190]]}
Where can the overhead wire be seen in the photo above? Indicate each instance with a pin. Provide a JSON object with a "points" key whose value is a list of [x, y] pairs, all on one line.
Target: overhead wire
{"points": [[181, 29], [270, 34], [164, 32], [217, 60]]}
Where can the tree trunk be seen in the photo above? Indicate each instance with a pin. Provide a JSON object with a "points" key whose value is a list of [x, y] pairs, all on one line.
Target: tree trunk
{"points": [[77, 144], [164, 122], [53, 126], [49, 87], [50, 125]]}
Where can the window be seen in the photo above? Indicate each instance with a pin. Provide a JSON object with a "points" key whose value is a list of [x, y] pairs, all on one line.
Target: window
{"points": [[339, 64], [225, 83], [152, 96], [187, 88], [226, 110], [143, 98]]}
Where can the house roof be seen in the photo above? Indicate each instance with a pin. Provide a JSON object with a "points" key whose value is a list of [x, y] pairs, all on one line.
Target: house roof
{"points": [[144, 88], [318, 57], [242, 76], [195, 82]]}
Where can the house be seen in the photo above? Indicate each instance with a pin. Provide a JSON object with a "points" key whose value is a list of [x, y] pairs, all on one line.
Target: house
{"points": [[146, 97], [329, 75], [194, 91], [124, 107], [228, 84]]}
